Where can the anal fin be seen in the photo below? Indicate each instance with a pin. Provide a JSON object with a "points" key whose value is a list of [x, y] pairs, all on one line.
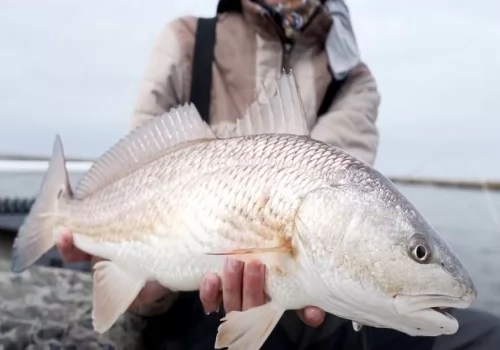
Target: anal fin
{"points": [[248, 330], [114, 291]]}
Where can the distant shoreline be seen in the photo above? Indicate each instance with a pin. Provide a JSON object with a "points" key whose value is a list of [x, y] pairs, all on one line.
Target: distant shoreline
{"points": [[37, 166], [472, 184]]}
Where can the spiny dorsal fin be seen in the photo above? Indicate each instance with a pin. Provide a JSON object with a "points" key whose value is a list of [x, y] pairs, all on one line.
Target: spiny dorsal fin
{"points": [[144, 144], [281, 111]]}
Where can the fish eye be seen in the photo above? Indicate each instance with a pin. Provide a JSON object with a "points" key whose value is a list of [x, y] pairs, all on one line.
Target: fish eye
{"points": [[420, 250]]}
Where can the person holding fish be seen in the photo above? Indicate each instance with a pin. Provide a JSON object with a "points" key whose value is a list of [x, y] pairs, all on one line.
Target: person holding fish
{"points": [[253, 41]]}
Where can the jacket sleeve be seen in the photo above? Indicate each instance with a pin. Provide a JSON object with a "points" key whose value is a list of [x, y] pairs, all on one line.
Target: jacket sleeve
{"points": [[350, 122], [165, 83]]}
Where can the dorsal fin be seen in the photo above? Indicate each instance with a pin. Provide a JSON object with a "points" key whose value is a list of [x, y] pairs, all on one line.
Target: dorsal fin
{"points": [[144, 144], [276, 110]]}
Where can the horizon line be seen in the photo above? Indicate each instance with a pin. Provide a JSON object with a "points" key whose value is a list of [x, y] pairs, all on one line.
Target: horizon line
{"points": [[83, 165]]}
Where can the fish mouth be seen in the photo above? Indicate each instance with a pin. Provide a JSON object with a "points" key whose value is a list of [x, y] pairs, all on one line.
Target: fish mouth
{"points": [[429, 311], [410, 303]]}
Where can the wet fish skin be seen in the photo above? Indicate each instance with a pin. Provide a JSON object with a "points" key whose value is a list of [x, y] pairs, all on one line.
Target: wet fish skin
{"points": [[170, 201], [201, 203]]}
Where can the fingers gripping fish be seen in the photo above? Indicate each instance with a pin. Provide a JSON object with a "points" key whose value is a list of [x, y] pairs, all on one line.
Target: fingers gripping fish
{"points": [[172, 199]]}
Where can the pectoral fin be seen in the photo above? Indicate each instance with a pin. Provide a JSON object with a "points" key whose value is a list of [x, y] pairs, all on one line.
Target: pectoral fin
{"points": [[114, 291], [248, 330], [272, 256]]}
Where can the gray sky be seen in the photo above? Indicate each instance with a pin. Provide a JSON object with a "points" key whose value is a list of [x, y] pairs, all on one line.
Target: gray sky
{"points": [[73, 67]]}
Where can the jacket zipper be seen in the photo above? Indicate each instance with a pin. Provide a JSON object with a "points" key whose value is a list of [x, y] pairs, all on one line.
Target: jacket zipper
{"points": [[287, 51]]}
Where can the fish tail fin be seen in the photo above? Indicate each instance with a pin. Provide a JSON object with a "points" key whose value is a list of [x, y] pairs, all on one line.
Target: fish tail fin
{"points": [[35, 237]]}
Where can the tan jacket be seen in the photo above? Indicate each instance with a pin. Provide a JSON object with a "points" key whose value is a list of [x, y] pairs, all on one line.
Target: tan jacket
{"points": [[249, 50]]}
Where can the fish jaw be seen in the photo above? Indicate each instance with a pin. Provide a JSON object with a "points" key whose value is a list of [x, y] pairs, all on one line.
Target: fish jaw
{"points": [[425, 315], [415, 315]]}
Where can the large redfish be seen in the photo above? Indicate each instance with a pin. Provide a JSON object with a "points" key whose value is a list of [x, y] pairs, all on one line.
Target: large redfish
{"points": [[171, 200]]}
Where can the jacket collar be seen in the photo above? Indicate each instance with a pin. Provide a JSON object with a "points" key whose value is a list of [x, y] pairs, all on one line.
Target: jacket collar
{"points": [[268, 24]]}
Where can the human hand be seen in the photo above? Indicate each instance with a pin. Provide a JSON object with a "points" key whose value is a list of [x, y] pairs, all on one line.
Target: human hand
{"points": [[69, 252], [148, 297], [241, 288]]}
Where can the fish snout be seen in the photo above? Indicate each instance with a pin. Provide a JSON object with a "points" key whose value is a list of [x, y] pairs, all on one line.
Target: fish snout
{"points": [[464, 286], [470, 292], [470, 297]]}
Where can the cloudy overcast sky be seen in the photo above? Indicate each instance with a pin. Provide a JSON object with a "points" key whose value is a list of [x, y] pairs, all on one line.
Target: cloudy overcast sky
{"points": [[73, 67]]}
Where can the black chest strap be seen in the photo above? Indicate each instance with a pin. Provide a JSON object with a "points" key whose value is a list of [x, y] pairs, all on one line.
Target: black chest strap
{"points": [[201, 81]]}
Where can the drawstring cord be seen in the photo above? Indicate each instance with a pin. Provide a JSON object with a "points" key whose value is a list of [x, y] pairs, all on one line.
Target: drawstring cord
{"points": [[365, 344]]}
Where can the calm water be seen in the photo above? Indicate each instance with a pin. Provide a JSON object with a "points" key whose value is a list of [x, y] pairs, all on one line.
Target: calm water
{"points": [[466, 218]]}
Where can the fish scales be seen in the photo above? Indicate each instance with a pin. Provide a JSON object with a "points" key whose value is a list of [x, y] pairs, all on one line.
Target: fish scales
{"points": [[173, 198], [226, 169]]}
